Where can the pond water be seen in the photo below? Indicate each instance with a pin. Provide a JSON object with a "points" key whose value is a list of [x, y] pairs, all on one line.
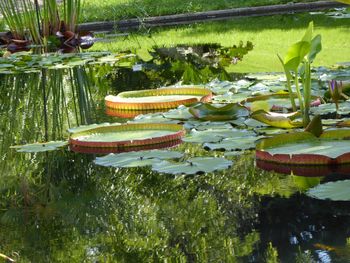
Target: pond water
{"points": [[59, 206]]}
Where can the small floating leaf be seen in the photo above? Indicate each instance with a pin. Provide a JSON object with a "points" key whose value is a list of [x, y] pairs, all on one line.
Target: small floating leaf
{"points": [[137, 159], [194, 165], [233, 144], [216, 135], [40, 147], [335, 191]]}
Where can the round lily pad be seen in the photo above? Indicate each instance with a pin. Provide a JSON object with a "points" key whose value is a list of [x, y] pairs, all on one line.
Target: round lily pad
{"points": [[128, 135], [331, 148], [194, 165], [155, 99]]}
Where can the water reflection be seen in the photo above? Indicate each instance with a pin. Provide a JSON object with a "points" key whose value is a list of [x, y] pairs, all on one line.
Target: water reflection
{"points": [[305, 170], [60, 207]]}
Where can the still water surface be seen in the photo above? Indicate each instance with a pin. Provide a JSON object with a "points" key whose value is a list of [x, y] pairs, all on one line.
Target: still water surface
{"points": [[60, 207]]}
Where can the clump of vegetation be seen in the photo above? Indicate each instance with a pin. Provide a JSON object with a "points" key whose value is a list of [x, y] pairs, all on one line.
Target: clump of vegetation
{"points": [[49, 24], [297, 66], [195, 64]]}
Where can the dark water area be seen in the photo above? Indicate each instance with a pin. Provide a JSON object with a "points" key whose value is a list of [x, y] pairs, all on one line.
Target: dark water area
{"points": [[59, 206]]}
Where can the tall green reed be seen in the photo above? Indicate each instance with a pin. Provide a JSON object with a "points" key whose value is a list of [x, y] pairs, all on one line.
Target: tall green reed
{"points": [[29, 21]]}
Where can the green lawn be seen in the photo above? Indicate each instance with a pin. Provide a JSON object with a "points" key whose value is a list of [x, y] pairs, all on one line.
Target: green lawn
{"points": [[97, 10], [270, 35]]}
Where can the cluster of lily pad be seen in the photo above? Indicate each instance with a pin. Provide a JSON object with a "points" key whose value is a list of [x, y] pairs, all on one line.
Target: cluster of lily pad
{"points": [[28, 62], [240, 114]]}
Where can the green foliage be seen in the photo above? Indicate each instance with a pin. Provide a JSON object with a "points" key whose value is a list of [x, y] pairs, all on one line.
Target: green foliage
{"points": [[297, 64], [197, 63], [41, 22], [271, 255]]}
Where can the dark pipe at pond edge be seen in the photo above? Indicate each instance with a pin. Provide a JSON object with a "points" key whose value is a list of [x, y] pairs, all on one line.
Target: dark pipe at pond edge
{"points": [[179, 19]]}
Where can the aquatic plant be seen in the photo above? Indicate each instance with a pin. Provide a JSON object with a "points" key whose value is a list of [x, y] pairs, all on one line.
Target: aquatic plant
{"points": [[297, 65], [336, 92], [48, 24]]}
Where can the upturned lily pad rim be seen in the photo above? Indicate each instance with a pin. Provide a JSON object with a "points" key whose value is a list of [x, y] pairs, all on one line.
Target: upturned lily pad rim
{"points": [[176, 132], [264, 145], [192, 90], [217, 111]]}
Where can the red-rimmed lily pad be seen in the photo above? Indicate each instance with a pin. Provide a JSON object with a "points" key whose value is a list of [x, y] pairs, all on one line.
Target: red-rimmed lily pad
{"points": [[218, 112], [156, 99], [127, 114], [124, 136], [304, 148]]}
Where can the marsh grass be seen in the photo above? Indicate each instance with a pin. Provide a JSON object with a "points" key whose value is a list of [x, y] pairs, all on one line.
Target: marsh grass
{"points": [[29, 21], [20, 16]]}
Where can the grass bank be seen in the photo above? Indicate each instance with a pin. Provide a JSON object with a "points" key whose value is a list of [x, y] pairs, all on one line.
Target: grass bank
{"points": [[102, 10], [270, 35]]}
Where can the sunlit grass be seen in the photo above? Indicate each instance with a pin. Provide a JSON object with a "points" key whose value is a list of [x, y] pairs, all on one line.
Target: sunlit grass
{"points": [[95, 10], [270, 35]]}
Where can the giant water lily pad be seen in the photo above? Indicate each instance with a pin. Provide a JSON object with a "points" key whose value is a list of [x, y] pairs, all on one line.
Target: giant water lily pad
{"points": [[137, 159], [89, 127], [128, 135], [194, 165], [335, 191], [218, 112], [331, 148], [40, 147], [155, 99]]}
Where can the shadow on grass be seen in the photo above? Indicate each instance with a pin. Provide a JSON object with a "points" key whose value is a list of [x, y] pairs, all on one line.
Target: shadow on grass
{"points": [[283, 22]]}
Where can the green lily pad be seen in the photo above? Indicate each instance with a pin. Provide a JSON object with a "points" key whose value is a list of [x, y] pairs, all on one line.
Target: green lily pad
{"points": [[40, 147], [222, 87], [335, 191], [152, 118], [218, 112], [231, 97], [90, 126], [330, 148], [127, 135], [278, 120], [137, 159], [276, 101], [216, 135], [233, 144], [324, 109], [194, 165], [181, 113]]}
